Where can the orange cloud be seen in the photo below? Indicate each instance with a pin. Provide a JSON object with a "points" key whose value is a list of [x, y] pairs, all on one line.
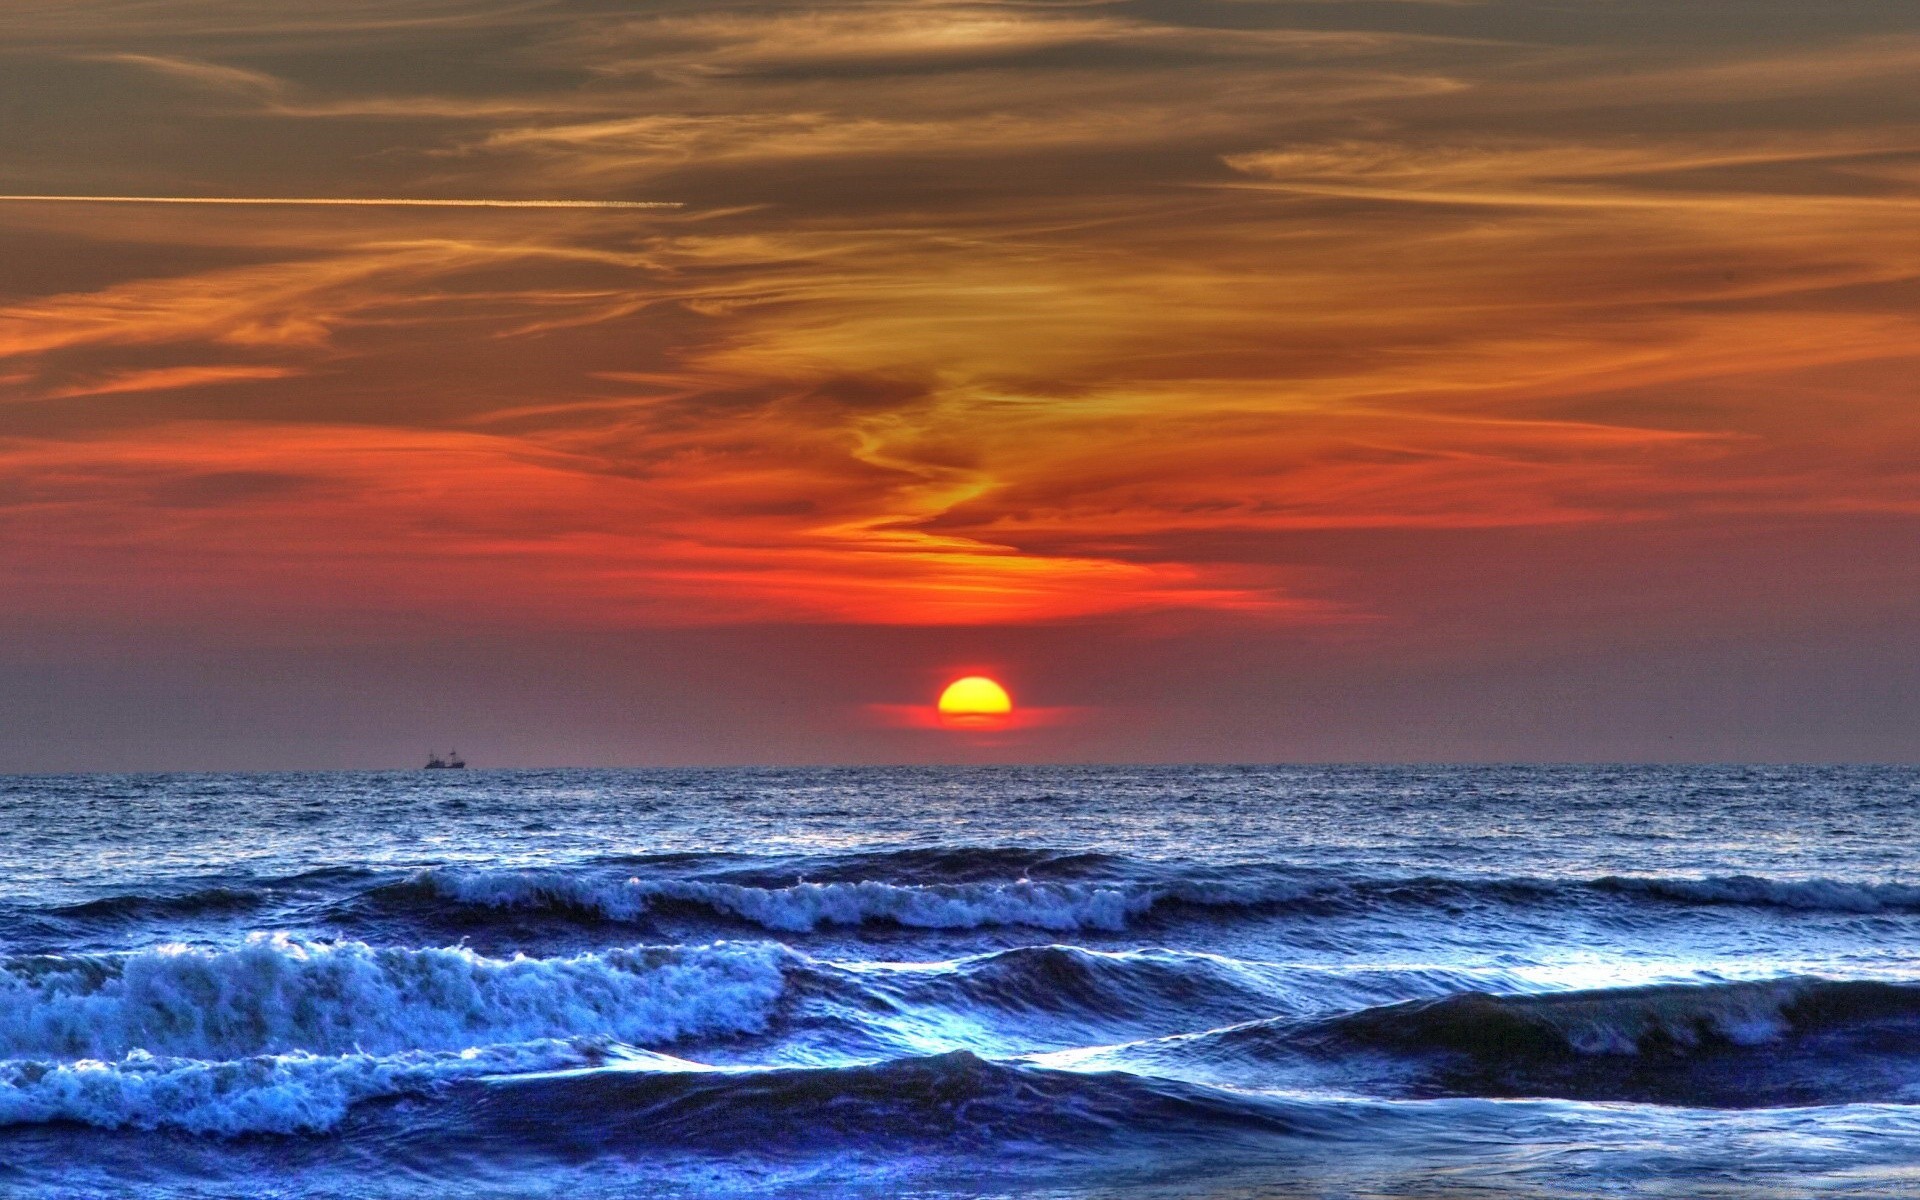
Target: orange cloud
{"points": [[979, 313], [166, 378], [398, 520]]}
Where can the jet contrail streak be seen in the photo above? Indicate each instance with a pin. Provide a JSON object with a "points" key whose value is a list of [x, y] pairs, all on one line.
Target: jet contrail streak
{"points": [[359, 202]]}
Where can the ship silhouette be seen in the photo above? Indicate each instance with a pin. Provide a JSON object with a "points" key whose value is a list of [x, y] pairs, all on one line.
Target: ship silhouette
{"points": [[452, 762]]}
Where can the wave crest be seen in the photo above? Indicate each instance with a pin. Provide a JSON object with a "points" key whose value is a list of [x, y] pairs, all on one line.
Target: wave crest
{"points": [[1817, 895], [1620, 1021], [957, 892], [285, 1093], [802, 907], [276, 995]]}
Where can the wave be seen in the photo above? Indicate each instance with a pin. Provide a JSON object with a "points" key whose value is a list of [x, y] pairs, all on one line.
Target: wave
{"points": [[279, 995], [178, 904], [1056, 995], [1099, 904], [555, 1095], [1818, 895], [278, 1093], [1761, 1043], [1131, 985], [1032, 998], [281, 1036], [909, 865], [276, 995], [802, 907], [950, 1102], [945, 889], [1626, 1021]]}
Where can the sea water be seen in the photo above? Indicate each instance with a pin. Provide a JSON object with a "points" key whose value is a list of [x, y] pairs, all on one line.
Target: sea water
{"points": [[1064, 982]]}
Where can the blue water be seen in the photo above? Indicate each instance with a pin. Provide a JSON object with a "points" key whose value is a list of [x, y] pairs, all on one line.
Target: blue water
{"points": [[1065, 982]]}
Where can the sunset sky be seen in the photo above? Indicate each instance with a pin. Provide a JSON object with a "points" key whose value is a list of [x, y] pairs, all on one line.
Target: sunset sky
{"points": [[1239, 379]]}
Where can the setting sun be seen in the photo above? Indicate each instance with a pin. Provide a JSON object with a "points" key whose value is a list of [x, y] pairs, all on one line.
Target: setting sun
{"points": [[975, 702]]}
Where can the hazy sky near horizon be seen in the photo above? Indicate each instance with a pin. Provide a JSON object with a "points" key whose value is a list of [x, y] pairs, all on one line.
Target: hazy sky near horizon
{"points": [[1242, 379]]}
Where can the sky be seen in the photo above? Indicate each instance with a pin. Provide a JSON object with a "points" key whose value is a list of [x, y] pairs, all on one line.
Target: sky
{"points": [[1236, 380]]}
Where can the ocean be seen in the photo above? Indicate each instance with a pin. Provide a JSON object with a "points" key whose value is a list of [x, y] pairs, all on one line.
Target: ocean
{"points": [[1059, 982]]}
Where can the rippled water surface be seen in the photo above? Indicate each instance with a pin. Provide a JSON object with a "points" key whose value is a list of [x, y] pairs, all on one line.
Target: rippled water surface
{"points": [[1070, 982]]}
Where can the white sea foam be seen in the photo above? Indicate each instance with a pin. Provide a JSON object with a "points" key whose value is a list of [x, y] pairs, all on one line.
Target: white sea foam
{"points": [[799, 907], [1103, 905], [806, 906], [276, 995], [281, 1093]]}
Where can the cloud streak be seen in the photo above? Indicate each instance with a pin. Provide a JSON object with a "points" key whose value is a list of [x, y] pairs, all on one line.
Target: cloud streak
{"points": [[166, 379], [344, 201]]}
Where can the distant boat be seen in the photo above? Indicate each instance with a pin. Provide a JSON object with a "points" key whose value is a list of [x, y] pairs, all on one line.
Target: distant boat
{"points": [[452, 762]]}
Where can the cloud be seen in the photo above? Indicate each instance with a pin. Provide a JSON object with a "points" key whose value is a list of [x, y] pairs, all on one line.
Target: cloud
{"points": [[82, 21], [285, 304], [1430, 164], [1803, 70], [576, 547], [344, 201], [166, 379], [638, 143], [645, 146], [979, 313], [926, 36], [212, 76]]}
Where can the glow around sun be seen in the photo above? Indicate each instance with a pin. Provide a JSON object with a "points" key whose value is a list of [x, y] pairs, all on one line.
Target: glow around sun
{"points": [[974, 702]]}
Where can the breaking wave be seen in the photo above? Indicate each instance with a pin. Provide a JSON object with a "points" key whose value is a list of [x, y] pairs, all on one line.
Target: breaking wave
{"points": [[946, 889], [1112, 901], [269, 1093], [802, 907], [276, 995], [282, 1036]]}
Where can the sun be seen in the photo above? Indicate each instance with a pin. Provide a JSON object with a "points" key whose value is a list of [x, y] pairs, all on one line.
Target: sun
{"points": [[975, 702]]}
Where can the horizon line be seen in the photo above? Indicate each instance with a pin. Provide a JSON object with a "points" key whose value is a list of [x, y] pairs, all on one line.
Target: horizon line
{"points": [[1031, 764]]}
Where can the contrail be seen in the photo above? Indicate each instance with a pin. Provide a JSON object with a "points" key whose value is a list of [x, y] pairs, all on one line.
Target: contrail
{"points": [[357, 202]]}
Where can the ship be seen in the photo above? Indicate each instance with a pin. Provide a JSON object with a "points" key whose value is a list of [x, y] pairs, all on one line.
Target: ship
{"points": [[452, 762]]}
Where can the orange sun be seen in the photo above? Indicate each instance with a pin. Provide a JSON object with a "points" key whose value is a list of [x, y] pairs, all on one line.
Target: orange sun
{"points": [[975, 702]]}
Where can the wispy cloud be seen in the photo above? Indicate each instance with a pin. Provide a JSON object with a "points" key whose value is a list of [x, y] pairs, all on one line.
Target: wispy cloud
{"points": [[343, 201], [198, 73], [908, 35], [166, 379], [82, 21], [1727, 78]]}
